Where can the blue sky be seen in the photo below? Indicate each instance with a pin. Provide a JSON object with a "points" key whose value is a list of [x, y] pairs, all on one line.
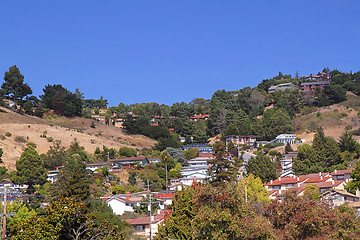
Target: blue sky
{"points": [[174, 50]]}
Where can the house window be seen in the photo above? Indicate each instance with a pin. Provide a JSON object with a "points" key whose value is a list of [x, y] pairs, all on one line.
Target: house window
{"points": [[139, 228], [289, 185], [276, 187], [340, 177]]}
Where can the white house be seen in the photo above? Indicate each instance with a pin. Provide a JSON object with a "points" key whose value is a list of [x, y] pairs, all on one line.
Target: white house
{"points": [[120, 205]]}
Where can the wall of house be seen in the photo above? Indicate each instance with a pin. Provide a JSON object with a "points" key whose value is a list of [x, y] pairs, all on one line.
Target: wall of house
{"points": [[119, 207]]}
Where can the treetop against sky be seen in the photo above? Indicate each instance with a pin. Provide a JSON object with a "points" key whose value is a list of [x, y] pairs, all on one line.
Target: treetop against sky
{"points": [[172, 51]]}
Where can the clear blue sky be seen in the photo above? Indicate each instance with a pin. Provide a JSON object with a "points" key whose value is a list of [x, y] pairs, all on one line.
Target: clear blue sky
{"points": [[174, 50]]}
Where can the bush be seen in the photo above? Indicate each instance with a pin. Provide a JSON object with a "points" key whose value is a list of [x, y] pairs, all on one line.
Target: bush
{"points": [[31, 144], [92, 125], [2, 137], [43, 135], [50, 139], [20, 139], [8, 134], [348, 127]]}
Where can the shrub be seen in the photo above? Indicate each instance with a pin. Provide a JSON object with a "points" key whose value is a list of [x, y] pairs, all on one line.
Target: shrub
{"points": [[8, 134], [20, 139], [348, 127], [43, 135], [92, 125], [50, 139], [31, 144], [2, 137]]}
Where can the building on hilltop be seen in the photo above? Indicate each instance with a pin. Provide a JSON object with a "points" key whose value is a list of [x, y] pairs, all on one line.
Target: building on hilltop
{"points": [[282, 87]]}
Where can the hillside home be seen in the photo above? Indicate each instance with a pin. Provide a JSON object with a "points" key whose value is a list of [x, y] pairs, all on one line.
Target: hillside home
{"points": [[203, 147], [129, 161], [142, 225], [336, 197], [199, 117], [309, 87], [282, 87], [94, 166], [342, 174], [286, 138], [121, 205], [321, 76], [100, 119], [240, 140], [52, 176]]}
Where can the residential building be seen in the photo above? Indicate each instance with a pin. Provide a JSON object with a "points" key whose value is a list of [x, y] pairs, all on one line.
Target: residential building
{"points": [[337, 197], [342, 174], [94, 166], [52, 176], [321, 76], [286, 138], [120, 205], [240, 140], [142, 225], [282, 87], [129, 161], [310, 87], [199, 117], [100, 119], [203, 147]]}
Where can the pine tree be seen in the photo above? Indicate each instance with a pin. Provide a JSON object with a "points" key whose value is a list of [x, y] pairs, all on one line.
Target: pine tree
{"points": [[262, 166], [178, 225], [73, 180], [221, 169], [29, 169]]}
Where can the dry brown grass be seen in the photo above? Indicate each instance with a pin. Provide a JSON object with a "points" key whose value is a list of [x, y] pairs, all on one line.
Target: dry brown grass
{"points": [[64, 129]]}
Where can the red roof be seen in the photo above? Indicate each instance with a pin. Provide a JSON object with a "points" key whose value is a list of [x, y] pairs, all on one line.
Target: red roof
{"points": [[317, 179], [166, 195], [285, 180], [342, 172], [329, 184], [200, 116], [127, 159], [146, 220], [210, 155]]}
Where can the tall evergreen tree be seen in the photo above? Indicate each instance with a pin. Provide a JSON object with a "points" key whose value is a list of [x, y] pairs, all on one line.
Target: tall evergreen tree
{"points": [[221, 169], [14, 86], [29, 169], [73, 180], [179, 224], [262, 166]]}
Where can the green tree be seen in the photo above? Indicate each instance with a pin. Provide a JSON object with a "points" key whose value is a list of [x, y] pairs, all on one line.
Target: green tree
{"points": [[262, 166], [221, 168], [347, 143], [127, 152], [312, 191], [55, 156], [256, 192], [73, 180], [178, 225], [61, 100], [288, 148], [14, 86], [29, 169]]}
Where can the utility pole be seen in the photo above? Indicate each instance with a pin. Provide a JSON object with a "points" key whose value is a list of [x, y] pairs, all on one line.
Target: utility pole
{"points": [[246, 192], [4, 216], [149, 208], [166, 177]]}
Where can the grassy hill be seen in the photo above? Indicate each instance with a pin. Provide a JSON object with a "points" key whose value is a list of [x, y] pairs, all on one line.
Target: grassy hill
{"points": [[34, 129], [334, 119]]}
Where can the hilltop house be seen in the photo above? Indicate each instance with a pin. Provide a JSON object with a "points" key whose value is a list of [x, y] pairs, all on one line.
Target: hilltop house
{"points": [[282, 87]]}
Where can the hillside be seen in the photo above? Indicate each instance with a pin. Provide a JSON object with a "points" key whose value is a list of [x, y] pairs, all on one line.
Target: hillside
{"points": [[60, 128], [334, 119]]}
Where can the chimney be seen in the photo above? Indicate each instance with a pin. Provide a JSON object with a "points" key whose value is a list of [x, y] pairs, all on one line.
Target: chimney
{"points": [[321, 178], [128, 195], [279, 178], [294, 176], [335, 171], [319, 173], [298, 179], [357, 193], [333, 182], [298, 184], [271, 181]]}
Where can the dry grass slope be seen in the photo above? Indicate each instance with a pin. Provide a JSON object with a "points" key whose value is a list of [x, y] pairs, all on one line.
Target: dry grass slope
{"points": [[59, 128]]}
